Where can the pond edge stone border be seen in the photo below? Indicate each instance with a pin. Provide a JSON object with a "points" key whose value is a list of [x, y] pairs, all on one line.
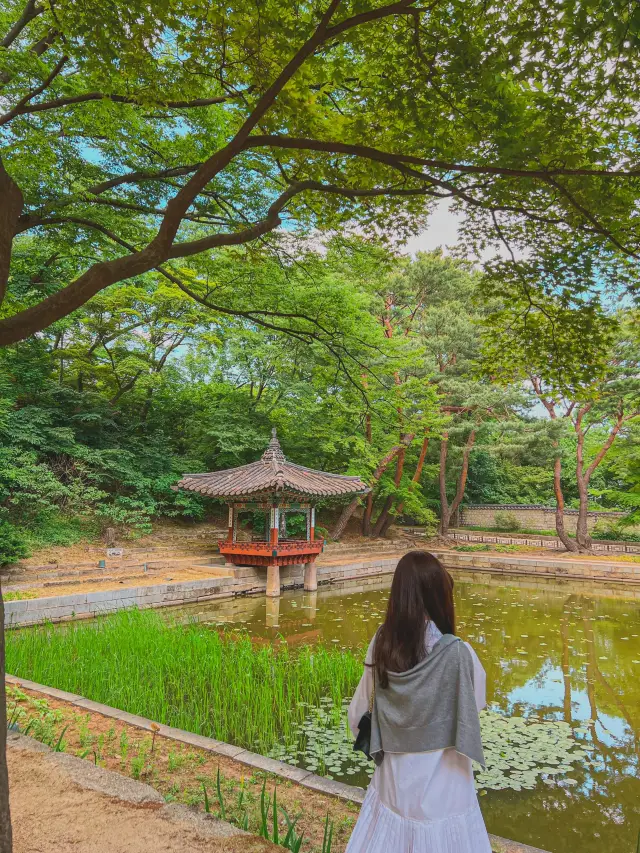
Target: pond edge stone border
{"points": [[342, 791]]}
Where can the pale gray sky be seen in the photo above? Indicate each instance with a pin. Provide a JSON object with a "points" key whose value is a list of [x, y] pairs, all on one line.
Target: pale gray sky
{"points": [[442, 231]]}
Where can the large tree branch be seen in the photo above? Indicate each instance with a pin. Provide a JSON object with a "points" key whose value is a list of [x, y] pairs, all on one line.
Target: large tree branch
{"points": [[391, 159], [141, 176], [181, 202], [403, 7], [10, 210], [22, 103], [31, 11], [44, 106], [462, 480], [608, 443]]}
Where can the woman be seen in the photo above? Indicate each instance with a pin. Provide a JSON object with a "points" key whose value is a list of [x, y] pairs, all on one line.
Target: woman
{"points": [[429, 687]]}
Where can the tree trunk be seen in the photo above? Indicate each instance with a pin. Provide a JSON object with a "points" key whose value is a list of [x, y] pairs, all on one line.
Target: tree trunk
{"points": [[382, 467], [384, 515], [583, 539], [415, 479], [446, 511], [345, 515], [5, 817], [366, 518], [563, 536], [445, 515]]}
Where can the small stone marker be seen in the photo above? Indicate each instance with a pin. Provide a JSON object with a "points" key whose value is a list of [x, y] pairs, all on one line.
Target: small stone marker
{"points": [[110, 537], [115, 552]]}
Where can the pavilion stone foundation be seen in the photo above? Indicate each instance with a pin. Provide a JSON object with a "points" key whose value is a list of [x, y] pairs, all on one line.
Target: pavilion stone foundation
{"points": [[310, 577], [273, 580]]}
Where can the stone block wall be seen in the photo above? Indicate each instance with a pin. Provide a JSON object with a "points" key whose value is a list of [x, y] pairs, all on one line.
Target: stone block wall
{"points": [[531, 517]]}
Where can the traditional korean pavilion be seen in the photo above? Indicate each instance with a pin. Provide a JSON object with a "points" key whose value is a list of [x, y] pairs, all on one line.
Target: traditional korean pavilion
{"points": [[277, 487]]}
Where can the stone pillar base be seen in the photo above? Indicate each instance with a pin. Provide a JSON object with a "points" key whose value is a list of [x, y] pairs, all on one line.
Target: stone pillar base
{"points": [[310, 577], [273, 581]]}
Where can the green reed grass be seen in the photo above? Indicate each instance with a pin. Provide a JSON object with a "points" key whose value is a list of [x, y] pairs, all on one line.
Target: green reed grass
{"points": [[187, 676]]}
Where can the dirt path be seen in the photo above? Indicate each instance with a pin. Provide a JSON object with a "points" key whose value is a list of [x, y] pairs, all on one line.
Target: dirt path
{"points": [[61, 803]]}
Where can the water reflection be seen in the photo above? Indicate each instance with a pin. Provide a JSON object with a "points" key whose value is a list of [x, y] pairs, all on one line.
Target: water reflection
{"points": [[554, 650]]}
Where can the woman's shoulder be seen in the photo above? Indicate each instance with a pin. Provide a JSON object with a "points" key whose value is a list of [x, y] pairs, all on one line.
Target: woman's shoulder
{"points": [[472, 652]]}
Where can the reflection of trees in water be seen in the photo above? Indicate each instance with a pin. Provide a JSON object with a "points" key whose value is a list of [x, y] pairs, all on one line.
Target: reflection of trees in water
{"points": [[566, 664], [595, 676], [600, 808]]}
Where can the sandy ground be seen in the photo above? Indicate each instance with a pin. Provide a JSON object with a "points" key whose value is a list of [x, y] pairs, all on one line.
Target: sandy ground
{"points": [[53, 811], [36, 590], [177, 770]]}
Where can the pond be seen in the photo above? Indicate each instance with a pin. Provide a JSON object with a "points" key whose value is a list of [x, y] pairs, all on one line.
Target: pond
{"points": [[562, 732]]}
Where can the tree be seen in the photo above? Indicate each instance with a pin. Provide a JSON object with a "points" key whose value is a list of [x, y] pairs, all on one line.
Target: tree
{"points": [[592, 385], [135, 136]]}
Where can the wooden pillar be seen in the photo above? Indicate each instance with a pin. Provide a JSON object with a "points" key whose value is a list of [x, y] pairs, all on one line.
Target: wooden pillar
{"points": [[231, 524], [310, 576], [312, 524], [275, 521], [273, 569], [273, 580]]}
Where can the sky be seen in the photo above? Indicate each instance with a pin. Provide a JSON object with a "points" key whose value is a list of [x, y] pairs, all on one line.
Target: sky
{"points": [[442, 231]]}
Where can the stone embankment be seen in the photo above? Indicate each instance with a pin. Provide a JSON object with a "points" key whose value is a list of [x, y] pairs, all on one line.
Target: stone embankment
{"points": [[349, 563]]}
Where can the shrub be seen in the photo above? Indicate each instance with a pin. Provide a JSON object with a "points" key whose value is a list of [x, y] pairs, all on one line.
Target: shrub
{"points": [[614, 532], [12, 544], [506, 521]]}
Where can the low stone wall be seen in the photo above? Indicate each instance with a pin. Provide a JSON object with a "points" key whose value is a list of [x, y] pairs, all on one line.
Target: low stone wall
{"points": [[609, 571], [530, 517], [240, 580], [551, 542], [84, 604], [250, 580]]}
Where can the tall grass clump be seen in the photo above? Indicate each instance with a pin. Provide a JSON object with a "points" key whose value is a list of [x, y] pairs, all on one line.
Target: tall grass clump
{"points": [[188, 676]]}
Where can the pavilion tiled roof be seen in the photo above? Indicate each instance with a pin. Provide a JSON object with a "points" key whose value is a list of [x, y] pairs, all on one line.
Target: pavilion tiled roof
{"points": [[273, 473]]}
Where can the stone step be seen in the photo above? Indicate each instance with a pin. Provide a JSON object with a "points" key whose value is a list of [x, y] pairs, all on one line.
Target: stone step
{"points": [[81, 571], [214, 571]]}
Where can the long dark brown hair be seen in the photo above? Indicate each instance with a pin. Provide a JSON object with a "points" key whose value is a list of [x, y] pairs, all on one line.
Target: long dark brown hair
{"points": [[421, 589]]}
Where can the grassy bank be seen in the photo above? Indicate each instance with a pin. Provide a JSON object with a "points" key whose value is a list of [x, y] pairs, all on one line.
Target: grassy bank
{"points": [[187, 676]]}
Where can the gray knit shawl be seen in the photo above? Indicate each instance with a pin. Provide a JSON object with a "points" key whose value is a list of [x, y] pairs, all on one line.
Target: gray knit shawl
{"points": [[429, 707]]}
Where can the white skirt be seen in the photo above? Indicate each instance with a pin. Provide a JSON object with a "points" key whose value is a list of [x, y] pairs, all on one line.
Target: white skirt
{"points": [[421, 803], [380, 830]]}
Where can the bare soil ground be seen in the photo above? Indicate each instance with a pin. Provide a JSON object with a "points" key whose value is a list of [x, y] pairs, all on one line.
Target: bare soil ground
{"points": [[52, 812], [177, 771], [36, 590]]}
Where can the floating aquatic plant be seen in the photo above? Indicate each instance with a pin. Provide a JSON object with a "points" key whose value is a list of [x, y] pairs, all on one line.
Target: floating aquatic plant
{"points": [[518, 751]]}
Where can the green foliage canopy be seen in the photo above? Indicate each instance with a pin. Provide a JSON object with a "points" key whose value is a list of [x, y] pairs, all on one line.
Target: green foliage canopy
{"points": [[135, 136]]}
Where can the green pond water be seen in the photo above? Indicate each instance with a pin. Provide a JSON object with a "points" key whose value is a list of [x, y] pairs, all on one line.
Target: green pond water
{"points": [[562, 727]]}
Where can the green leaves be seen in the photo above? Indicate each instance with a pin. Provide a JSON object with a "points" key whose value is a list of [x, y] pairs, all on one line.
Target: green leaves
{"points": [[525, 119]]}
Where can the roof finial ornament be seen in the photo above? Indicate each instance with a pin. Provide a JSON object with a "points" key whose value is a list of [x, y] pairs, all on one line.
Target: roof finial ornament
{"points": [[274, 434]]}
